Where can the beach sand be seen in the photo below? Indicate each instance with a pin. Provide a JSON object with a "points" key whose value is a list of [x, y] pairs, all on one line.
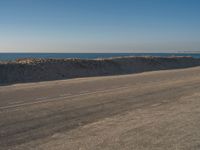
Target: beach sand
{"points": [[157, 110]]}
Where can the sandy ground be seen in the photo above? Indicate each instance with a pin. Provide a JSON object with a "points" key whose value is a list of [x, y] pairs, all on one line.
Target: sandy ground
{"points": [[149, 111]]}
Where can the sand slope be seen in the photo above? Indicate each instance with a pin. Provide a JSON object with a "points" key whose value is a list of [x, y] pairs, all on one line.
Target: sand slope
{"points": [[148, 111]]}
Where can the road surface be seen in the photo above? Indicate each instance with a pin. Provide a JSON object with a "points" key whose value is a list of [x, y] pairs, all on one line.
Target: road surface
{"points": [[157, 110]]}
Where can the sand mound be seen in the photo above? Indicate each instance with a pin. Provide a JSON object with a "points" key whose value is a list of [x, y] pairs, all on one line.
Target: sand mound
{"points": [[34, 70]]}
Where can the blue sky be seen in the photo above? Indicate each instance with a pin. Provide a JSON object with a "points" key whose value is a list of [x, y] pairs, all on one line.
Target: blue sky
{"points": [[99, 25]]}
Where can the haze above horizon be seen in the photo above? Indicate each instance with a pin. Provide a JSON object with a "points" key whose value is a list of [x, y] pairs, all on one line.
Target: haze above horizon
{"points": [[99, 25]]}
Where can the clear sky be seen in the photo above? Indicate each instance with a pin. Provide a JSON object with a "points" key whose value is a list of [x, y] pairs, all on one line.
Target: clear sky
{"points": [[99, 25]]}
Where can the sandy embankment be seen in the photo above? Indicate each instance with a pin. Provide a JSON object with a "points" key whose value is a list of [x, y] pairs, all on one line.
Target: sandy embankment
{"points": [[34, 70]]}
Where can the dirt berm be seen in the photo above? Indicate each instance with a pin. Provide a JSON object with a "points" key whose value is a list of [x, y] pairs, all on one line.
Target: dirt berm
{"points": [[35, 70]]}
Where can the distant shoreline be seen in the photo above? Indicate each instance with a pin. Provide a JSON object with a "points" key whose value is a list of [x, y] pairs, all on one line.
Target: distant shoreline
{"points": [[43, 60], [14, 56]]}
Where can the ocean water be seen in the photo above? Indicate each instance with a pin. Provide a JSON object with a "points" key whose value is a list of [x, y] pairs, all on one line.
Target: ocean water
{"points": [[13, 56]]}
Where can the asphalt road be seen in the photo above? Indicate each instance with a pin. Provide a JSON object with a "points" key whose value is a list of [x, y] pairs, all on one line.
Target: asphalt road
{"points": [[147, 111]]}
